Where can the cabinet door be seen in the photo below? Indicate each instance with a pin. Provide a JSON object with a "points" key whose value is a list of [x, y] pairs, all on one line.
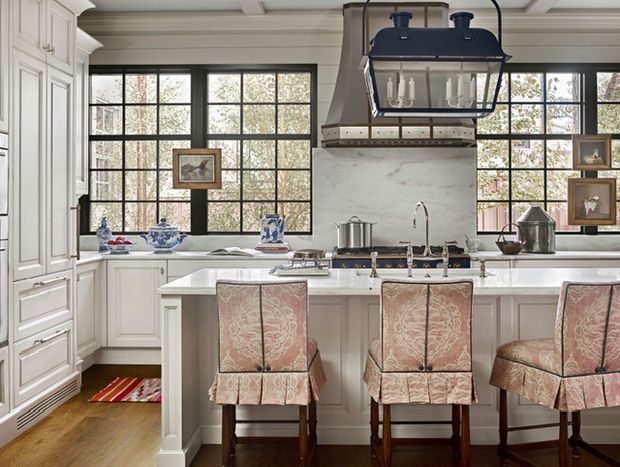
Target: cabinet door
{"points": [[4, 66], [42, 360], [29, 180], [88, 309], [133, 302], [61, 26], [29, 27], [81, 123], [60, 219]]}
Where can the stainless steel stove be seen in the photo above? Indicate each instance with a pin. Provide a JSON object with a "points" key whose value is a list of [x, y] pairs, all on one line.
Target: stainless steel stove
{"points": [[396, 257]]}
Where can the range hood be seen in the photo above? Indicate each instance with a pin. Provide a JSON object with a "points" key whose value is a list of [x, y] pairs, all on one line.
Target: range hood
{"points": [[349, 121]]}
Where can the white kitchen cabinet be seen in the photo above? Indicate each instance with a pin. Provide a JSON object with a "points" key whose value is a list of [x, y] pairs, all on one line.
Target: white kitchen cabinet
{"points": [[60, 219], [45, 29], [133, 302], [29, 123], [4, 381], [86, 45], [4, 66], [88, 308], [61, 33], [42, 360], [29, 27], [41, 303], [43, 226]]}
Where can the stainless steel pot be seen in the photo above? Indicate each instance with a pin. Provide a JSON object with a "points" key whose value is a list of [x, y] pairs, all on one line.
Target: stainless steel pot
{"points": [[537, 230], [355, 233]]}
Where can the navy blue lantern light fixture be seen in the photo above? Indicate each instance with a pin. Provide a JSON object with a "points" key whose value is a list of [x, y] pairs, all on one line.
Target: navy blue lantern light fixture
{"points": [[434, 72]]}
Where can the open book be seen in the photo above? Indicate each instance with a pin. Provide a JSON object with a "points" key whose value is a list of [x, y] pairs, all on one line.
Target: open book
{"points": [[235, 251]]}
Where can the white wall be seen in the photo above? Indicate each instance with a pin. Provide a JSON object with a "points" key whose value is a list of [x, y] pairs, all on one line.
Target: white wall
{"points": [[237, 39]]}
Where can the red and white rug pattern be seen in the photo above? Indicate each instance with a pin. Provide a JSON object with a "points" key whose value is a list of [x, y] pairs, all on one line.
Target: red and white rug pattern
{"points": [[130, 390]]}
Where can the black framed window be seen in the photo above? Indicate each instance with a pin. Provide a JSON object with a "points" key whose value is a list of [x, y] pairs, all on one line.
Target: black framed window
{"points": [[608, 122], [262, 117], [525, 147]]}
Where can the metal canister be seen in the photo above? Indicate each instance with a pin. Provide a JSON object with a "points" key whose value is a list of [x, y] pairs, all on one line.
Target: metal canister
{"points": [[537, 229]]}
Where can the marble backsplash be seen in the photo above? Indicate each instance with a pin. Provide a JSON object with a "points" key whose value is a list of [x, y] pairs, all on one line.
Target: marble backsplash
{"points": [[380, 185]]}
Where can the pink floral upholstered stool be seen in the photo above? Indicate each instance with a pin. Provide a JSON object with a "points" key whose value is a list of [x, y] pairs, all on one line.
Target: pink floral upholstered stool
{"points": [[266, 357], [577, 369], [423, 356]]}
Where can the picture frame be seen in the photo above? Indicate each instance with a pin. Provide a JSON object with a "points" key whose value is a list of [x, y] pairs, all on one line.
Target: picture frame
{"points": [[592, 152], [197, 168], [592, 201]]}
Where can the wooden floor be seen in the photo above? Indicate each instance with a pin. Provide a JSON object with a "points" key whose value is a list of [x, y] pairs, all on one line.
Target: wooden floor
{"points": [[98, 434]]}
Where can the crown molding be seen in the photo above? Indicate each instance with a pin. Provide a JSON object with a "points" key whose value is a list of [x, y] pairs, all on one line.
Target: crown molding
{"points": [[327, 22], [87, 42], [78, 6]]}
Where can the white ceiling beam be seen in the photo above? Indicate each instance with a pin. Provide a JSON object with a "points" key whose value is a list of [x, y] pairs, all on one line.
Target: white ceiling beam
{"points": [[537, 7], [252, 7]]}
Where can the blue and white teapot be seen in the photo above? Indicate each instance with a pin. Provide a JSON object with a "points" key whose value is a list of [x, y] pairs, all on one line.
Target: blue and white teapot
{"points": [[163, 237]]}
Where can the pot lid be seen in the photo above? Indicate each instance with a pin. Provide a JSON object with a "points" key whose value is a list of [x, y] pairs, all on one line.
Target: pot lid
{"points": [[163, 226], [536, 215], [355, 220]]}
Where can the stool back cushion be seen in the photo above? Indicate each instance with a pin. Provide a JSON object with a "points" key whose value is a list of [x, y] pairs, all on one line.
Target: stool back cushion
{"points": [[263, 326], [426, 326], [587, 328]]}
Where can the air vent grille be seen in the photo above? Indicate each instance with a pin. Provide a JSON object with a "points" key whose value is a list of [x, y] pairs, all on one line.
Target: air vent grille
{"points": [[40, 409]]}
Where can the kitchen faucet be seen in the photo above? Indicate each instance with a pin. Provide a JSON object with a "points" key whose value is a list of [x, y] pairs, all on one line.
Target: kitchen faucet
{"points": [[427, 248]]}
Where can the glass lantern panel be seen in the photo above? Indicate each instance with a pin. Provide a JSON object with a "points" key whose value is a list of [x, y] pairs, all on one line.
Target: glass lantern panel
{"points": [[436, 85]]}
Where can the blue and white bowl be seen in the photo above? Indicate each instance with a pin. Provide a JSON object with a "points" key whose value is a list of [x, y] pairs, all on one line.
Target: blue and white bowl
{"points": [[163, 237]]}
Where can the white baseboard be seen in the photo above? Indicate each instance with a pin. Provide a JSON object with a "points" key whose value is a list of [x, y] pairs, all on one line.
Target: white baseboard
{"points": [[184, 457], [128, 356]]}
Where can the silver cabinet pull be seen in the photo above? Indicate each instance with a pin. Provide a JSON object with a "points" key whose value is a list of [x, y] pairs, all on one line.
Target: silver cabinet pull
{"points": [[49, 338], [78, 220], [51, 281], [161, 271], [52, 49]]}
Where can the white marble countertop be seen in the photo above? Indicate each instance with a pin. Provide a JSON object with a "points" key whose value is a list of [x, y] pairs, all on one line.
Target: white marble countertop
{"points": [[90, 256], [558, 255], [522, 281]]}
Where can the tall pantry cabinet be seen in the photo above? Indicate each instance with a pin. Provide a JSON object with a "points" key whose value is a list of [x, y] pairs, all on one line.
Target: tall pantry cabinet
{"points": [[46, 120]]}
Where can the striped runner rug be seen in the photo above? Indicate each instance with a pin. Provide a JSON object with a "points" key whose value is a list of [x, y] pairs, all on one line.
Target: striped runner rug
{"points": [[130, 390]]}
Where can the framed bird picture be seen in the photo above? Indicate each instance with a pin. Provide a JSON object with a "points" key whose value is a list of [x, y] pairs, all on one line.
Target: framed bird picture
{"points": [[198, 169], [591, 201], [592, 152]]}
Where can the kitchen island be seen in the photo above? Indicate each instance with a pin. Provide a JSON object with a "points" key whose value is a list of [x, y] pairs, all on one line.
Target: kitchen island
{"points": [[509, 304]]}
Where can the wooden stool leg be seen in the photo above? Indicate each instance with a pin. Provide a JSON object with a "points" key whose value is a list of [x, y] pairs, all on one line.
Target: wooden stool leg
{"points": [[387, 436], [502, 448], [226, 454], [374, 426], [563, 439], [313, 421], [303, 436], [576, 436], [465, 437], [233, 428], [456, 430]]}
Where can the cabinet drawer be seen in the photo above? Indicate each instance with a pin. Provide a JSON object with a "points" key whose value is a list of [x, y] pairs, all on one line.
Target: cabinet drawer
{"points": [[42, 360], [41, 303]]}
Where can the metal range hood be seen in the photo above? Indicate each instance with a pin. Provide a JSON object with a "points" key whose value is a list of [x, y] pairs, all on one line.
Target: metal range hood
{"points": [[349, 122]]}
